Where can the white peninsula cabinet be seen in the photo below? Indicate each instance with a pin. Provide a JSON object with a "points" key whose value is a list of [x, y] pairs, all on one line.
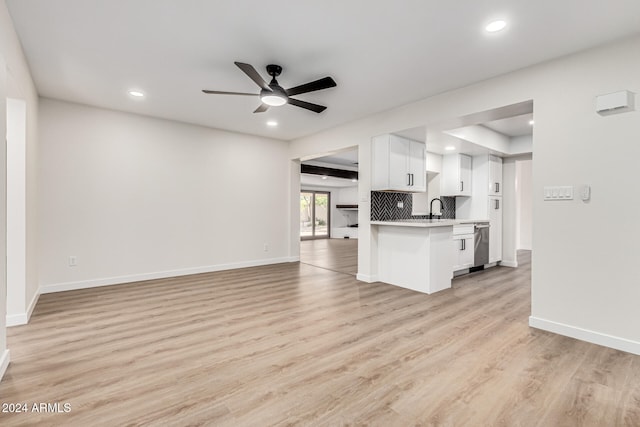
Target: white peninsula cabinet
{"points": [[456, 175], [415, 255], [399, 164]]}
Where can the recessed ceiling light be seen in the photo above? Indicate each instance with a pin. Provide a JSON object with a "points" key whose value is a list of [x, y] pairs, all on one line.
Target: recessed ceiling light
{"points": [[136, 93], [449, 148], [531, 122], [324, 177], [272, 123], [354, 180], [495, 26]]}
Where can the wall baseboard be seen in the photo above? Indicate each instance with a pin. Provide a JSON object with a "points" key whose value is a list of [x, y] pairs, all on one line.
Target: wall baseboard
{"points": [[594, 337], [23, 318], [4, 363], [32, 305], [17, 319], [366, 278], [94, 283], [512, 264]]}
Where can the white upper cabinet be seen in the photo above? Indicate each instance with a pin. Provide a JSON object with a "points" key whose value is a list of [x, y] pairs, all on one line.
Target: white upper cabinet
{"points": [[399, 164], [456, 175], [495, 175]]}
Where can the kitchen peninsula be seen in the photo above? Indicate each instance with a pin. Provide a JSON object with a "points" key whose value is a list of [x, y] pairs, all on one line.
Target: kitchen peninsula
{"points": [[416, 254]]}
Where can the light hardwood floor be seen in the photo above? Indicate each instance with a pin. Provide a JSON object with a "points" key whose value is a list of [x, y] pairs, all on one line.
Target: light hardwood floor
{"points": [[293, 344], [333, 254]]}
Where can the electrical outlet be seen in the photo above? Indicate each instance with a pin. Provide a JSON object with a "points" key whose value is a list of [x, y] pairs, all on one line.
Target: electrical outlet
{"points": [[266, 247], [73, 261], [400, 204]]}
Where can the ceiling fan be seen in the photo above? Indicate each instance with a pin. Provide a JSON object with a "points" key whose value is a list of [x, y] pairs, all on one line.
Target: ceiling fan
{"points": [[274, 95]]}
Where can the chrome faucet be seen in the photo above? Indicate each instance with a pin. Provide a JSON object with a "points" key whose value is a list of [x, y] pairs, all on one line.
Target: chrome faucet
{"points": [[431, 208]]}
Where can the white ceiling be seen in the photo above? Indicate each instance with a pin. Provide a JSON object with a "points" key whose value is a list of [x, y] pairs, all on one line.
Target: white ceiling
{"points": [[345, 158], [512, 126], [382, 54]]}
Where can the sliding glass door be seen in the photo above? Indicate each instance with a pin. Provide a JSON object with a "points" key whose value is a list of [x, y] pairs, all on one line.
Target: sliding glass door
{"points": [[315, 214]]}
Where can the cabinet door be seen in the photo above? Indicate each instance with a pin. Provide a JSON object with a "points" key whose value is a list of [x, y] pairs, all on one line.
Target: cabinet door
{"points": [[458, 248], [465, 175], [417, 166], [495, 232], [495, 176], [463, 251], [399, 152], [456, 175]]}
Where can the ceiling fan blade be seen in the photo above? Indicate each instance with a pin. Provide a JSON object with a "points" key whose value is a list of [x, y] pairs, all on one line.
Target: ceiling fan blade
{"points": [[309, 106], [324, 83], [228, 93], [262, 108], [253, 75]]}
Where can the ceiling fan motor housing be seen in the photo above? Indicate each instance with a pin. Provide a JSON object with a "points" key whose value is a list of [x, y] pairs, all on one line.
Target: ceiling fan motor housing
{"points": [[274, 70]]}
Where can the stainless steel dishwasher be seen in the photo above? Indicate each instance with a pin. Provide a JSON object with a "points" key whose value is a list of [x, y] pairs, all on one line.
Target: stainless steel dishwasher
{"points": [[481, 244]]}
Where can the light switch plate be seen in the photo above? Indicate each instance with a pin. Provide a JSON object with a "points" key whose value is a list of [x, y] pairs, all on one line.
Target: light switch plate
{"points": [[564, 192]]}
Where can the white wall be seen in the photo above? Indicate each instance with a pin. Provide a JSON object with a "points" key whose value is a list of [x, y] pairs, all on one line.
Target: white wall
{"points": [[16, 82], [574, 289], [521, 145], [134, 197], [524, 194], [510, 230], [16, 211], [517, 211], [4, 352]]}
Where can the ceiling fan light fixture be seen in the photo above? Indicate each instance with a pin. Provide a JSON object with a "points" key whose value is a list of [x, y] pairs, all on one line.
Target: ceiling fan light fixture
{"points": [[273, 99]]}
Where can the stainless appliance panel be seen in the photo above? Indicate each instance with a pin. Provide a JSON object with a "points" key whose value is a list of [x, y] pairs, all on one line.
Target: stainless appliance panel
{"points": [[481, 245]]}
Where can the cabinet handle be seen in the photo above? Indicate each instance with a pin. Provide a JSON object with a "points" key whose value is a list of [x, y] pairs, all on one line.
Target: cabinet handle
{"points": [[412, 180], [497, 187], [497, 204], [409, 180], [461, 185], [463, 245]]}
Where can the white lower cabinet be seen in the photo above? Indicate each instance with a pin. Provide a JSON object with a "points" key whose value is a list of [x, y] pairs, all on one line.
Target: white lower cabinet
{"points": [[463, 246], [463, 249]]}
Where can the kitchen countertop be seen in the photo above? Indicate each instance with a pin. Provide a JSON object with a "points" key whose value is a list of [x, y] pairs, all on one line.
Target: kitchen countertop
{"points": [[429, 222]]}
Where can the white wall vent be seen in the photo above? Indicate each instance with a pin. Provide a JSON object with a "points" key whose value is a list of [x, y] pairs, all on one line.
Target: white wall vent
{"points": [[617, 102]]}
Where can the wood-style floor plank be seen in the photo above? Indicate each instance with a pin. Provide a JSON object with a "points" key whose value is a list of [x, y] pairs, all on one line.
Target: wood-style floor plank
{"points": [[299, 344], [333, 254]]}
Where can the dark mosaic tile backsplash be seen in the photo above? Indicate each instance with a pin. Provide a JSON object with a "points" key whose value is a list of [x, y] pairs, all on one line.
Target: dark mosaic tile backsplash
{"points": [[384, 206]]}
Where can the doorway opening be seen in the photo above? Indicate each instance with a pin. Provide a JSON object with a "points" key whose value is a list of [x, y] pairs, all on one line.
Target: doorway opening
{"points": [[315, 214], [497, 149], [328, 217]]}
